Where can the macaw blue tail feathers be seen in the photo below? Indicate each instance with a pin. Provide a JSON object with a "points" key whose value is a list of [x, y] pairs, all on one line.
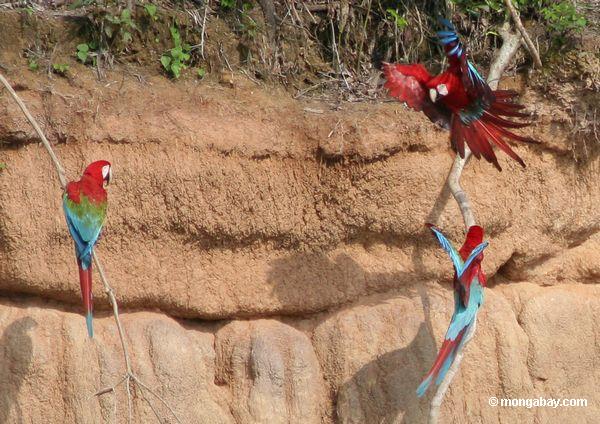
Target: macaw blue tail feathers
{"points": [[424, 386], [89, 323], [442, 363]]}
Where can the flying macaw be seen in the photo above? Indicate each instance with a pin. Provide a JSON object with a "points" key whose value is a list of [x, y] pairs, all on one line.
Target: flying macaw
{"points": [[469, 281], [461, 101], [84, 203]]}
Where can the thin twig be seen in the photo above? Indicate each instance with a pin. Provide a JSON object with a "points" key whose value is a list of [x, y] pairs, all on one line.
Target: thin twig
{"points": [[337, 54], [206, 9], [129, 376], [157, 396], [517, 20], [505, 55]]}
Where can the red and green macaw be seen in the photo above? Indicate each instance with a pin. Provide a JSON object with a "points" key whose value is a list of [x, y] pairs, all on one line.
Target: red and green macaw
{"points": [[469, 281], [461, 101], [84, 203]]}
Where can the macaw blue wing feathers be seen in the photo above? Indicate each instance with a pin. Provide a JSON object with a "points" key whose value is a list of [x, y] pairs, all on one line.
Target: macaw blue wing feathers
{"points": [[447, 246], [476, 252]]}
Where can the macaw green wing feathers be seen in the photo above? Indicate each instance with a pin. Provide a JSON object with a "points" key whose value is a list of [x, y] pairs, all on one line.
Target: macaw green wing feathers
{"points": [[85, 220]]}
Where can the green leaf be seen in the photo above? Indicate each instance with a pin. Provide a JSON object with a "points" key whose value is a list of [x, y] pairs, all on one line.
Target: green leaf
{"points": [[126, 15], [176, 69], [33, 65], [175, 35], [227, 4], [166, 62], [83, 47], [2, 166], [201, 72], [82, 56], [109, 31], [151, 10], [127, 37], [176, 52], [60, 68]]}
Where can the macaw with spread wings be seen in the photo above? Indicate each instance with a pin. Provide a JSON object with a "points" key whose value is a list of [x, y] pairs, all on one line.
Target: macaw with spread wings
{"points": [[461, 101]]}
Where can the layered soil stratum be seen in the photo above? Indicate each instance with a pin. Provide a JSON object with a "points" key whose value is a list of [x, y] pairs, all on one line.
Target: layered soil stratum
{"points": [[271, 262]]}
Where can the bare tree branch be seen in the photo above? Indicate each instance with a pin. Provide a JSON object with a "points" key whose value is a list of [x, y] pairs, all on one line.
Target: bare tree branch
{"points": [[129, 378], [517, 20], [510, 45]]}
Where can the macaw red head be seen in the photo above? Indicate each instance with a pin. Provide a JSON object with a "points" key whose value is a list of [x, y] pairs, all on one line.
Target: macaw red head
{"points": [[99, 171], [473, 239]]}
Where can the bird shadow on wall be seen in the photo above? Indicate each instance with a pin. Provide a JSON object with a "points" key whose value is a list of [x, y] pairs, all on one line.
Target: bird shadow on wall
{"points": [[16, 353], [384, 388], [383, 391]]}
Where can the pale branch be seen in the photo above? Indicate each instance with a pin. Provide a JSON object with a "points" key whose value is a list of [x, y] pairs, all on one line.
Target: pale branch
{"points": [[115, 307], [129, 378], [59, 169], [459, 194], [510, 45], [517, 20]]}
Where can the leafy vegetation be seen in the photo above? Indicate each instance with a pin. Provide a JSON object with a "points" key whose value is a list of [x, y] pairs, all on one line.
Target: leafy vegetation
{"points": [[176, 59], [32, 64], [560, 16], [152, 11], [227, 4], [60, 69], [399, 20]]}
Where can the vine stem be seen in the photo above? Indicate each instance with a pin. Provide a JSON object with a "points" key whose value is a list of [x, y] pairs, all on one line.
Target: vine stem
{"points": [[129, 378], [510, 45]]}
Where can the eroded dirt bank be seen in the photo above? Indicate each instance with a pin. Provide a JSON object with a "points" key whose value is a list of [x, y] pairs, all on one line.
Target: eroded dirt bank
{"points": [[271, 258]]}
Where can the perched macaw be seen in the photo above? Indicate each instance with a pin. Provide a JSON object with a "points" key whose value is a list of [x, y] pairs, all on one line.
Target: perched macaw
{"points": [[469, 281], [461, 101], [84, 203]]}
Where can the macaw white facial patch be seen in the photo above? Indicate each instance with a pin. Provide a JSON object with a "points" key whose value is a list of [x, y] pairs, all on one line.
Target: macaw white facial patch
{"points": [[442, 89], [106, 172]]}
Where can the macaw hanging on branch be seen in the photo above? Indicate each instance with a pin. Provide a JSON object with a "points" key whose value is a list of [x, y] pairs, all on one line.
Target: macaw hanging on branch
{"points": [[469, 281], [84, 203], [461, 101]]}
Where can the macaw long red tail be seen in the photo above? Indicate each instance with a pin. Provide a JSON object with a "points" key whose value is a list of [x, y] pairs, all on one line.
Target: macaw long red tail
{"points": [[442, 363], [491, 128], [85, 281]]}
